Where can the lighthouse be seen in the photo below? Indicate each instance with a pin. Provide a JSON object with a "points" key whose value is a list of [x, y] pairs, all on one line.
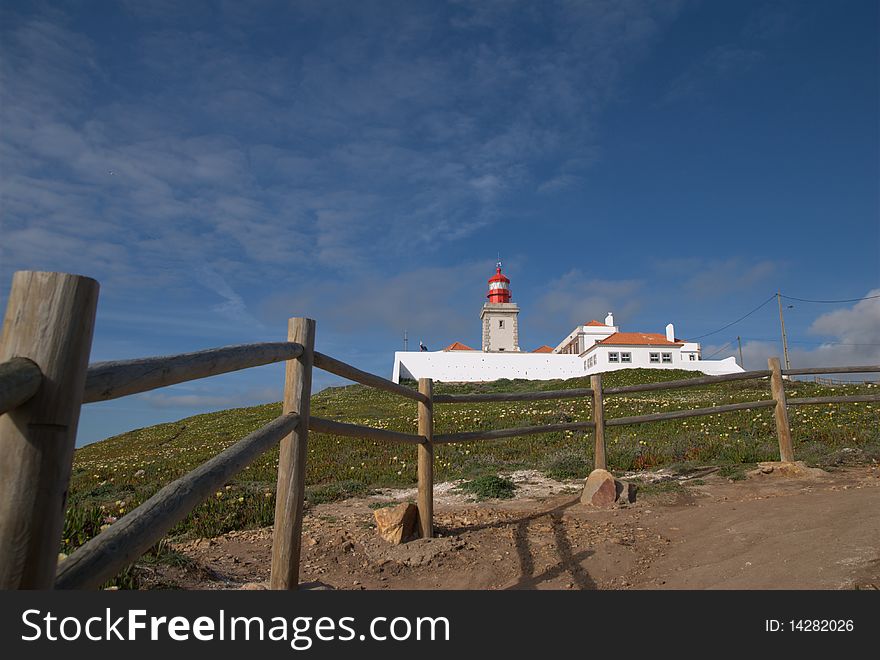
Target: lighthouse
{"points": [[499, 316]]}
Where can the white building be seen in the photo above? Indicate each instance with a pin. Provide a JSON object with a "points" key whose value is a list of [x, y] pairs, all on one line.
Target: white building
{"points": [[590, 348], [602, 344]]}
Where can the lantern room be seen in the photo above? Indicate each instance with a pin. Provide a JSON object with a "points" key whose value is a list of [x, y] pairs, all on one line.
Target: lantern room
{"points": [[499, 287]]}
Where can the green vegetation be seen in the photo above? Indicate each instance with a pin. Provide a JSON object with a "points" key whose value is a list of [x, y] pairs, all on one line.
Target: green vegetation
{"points": [[489, 487], [733, 472], [115, 475]]}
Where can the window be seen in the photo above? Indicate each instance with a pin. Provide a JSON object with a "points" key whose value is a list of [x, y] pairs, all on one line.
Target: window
{"points": [[654, 357], [591, 361], [500, 324], [500, 349], [614, 357], [626, 357], [692, 357], [667, 357]]}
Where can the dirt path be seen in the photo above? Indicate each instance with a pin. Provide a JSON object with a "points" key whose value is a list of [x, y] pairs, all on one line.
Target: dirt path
{"points": [[766, 532]]}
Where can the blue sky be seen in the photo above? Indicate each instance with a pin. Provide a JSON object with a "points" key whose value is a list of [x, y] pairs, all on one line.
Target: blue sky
{"points": [[222, 166]]}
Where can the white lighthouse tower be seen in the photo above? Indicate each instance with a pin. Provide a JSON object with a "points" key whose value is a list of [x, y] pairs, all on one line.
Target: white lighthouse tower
{"points": [[499, 316]]}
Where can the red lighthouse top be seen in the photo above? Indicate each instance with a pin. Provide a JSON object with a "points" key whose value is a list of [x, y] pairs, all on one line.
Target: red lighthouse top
{"points": [[499, 287]]}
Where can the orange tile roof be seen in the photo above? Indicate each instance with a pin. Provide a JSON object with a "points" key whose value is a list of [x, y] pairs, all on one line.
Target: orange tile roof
{"points": [[458, 346], [595, 322], [543, 349], [638, 339]]}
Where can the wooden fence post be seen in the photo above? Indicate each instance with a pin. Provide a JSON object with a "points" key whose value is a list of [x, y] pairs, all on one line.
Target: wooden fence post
{"points": [[287, 538], [426, 459], [599, 461], [50, 319], [783, 430]]}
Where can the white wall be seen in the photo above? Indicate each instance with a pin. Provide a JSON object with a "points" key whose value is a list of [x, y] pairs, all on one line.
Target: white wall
{"points": [[455, 366], [640, 356], [471, 366], [587, 336]]}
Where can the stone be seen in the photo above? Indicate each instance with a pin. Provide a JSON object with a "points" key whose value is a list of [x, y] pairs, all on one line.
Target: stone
{"points": [[794, 469], [602, 490], [626, 493], [398, 524]]}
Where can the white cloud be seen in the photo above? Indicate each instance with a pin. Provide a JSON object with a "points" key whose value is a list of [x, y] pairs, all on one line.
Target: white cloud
{"points": [[426, 301], [262, 165], [851, 337], [575, 298], [207, 400]]}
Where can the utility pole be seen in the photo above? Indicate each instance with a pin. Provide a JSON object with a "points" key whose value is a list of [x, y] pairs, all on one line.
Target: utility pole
{"points": [[782, 325], [739, 343]]}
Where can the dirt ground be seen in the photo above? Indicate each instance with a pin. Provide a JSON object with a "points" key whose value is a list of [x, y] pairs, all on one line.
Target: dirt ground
{"points": [[770, 531]]}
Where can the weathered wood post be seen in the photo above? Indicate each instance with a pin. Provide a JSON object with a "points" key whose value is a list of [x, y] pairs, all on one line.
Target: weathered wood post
{"points": [[50, 319], [783, 430], [426, 459], [287, 539], [599, 461]]}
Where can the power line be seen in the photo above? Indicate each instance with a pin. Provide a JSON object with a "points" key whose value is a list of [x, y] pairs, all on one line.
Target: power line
{"points": [[720, 349], [742, 318], [831, 301], [806, 341]]}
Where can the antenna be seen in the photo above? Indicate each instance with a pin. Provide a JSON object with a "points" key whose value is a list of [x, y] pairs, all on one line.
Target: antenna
{"points": [[405, 341]]}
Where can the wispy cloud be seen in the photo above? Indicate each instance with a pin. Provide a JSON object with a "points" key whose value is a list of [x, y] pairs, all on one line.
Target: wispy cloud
{"points": [[266, 165], [706, 278], [209, 400], [721, 62], [576, 298]]}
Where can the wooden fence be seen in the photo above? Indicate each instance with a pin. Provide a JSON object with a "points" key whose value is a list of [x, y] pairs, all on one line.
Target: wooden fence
{"points": [[45, 377]]}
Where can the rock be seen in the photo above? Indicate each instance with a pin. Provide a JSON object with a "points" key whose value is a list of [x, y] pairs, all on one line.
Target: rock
{"points": [[254, 586], [600, 489], [626, 493], [418, 552], [397, 524], [795, 469], [314, 586], [603, 490]]}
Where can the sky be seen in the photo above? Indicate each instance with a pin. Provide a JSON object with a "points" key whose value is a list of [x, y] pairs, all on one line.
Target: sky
{"points": [[220, 167]]}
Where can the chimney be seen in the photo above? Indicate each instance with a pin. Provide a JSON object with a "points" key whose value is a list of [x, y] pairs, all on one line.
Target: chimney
{"points": [[670, 332], [609, 320]]}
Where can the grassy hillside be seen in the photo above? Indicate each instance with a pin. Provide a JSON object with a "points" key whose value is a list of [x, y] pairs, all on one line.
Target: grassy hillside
{"points": [[115, 475]]}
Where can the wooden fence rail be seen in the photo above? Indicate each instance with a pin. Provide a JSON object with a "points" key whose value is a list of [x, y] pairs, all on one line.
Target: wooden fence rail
{"points": [[111, 380], [498, 434], [574, 393], [691, 412], [867, 369], [339, 368], [102, 557], [686, 382], [44, 379], [19, 381], [818, 400], [356, 431]]}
